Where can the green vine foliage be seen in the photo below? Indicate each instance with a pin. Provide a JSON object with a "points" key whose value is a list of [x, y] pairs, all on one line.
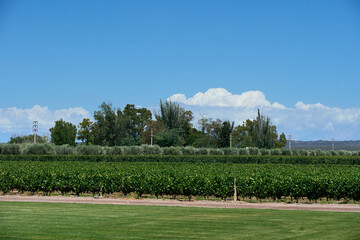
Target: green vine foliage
{"points": [[187, 179]]}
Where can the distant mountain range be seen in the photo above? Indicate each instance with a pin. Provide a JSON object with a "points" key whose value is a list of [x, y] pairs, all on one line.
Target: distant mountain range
{"points": [[325, 145]]}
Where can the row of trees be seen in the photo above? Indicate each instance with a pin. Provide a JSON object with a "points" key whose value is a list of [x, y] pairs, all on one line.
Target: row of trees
{"points": [[171, 126], [28, 139]]}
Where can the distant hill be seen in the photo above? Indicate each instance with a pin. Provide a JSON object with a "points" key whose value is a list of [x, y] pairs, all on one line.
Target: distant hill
{"points": [[325, 145]]}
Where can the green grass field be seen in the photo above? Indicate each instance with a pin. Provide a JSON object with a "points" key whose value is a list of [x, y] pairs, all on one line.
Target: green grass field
{"points": [[85, 221]]}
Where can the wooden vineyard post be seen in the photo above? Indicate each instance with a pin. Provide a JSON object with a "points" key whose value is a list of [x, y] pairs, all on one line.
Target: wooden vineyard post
{"points": [[235, 191]]}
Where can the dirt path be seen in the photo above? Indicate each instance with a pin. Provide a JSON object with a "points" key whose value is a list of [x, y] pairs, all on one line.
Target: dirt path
{"points": [[167, 202]]}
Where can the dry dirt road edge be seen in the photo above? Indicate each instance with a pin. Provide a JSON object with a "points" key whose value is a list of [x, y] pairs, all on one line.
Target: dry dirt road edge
{"points": [[177, 203]]}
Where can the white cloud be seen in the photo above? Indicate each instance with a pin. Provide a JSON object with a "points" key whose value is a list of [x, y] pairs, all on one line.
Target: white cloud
{"points": [[303, 121], [329, 127], [220, 97], [308, 107], [17, 121]]}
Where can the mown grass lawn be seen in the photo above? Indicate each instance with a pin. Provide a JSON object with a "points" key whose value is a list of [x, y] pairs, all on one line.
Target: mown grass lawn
{"points": [[86, 221]]}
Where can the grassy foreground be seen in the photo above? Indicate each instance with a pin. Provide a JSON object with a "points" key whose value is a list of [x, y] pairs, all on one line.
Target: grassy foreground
{"points": [[86, 221]]}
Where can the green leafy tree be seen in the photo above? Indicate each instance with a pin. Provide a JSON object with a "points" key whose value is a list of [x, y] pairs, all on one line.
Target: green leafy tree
{"points": [[258, 133], [151, 126], [188, 117], [171, 115], [242, 135], [136, 120], [214, 129], [199, 139], [113, 127], [263, 132], [109, 127], [210, 130], [84, 133], [63, 133], [281, 142], [28, 139], [224, 134], [168, 138], [194, 134], [204, 140], [204, 124]]}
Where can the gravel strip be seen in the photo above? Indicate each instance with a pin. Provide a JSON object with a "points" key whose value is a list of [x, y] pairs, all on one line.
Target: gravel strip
{"points": [[177, 203]]}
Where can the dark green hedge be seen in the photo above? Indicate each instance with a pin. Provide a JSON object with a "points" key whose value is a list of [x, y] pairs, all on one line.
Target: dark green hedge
{"points": [[351, 160]]}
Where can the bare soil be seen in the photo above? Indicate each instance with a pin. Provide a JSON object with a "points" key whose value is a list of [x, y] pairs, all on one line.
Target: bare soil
{"points": [[178, 203]]}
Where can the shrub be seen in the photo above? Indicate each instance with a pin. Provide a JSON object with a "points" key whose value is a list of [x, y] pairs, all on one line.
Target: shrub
{"points": [[320, 152], [334, 153], [116, 150], [286, 152], [172, 151], [151, 150], [344, 153], [327, 153], [304, 152], [264, 151], [312, 153], [215, 151], [90, 150], [135, 150], [64, 149], [201, 151], [146, 149], [38, 149], [188, 150], [254, 151], [157, 150], [244, 151], [355, 153], [276, 151], [341, 152], [230, 151], [295, 152], [126, 150], [10, 149], [240, 159], [106, 150]]}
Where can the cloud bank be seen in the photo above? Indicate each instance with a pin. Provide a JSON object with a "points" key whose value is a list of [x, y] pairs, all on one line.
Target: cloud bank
{"points": [[302, 121], [17, 121], [220, 97]]}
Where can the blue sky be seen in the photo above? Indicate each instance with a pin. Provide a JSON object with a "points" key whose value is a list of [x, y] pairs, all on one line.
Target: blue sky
{"points": [[63, 58]]}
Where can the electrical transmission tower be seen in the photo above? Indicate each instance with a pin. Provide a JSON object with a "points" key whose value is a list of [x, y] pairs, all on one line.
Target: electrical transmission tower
{"points": [[151, 137], [35, 129], [289, 141]]}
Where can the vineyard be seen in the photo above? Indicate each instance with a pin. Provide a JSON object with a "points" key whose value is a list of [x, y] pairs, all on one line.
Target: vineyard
{"points": [[259, 181]]}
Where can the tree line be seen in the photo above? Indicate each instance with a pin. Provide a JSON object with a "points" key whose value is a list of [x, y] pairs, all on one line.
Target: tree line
{"points": [[172, 125]]}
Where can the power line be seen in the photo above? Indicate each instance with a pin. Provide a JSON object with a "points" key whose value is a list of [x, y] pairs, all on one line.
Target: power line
{"points": [[42, 128], [9, 127], [10, 124]]}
